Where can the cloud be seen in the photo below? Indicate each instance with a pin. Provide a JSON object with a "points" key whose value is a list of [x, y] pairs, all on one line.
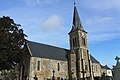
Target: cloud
{"points": [[102, 28], [101, 4], [100, 24], [104, 23], [37, 2], [52, 23], [99, 20], [103, 36]]}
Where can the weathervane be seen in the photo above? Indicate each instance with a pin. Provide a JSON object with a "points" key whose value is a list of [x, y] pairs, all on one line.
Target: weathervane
{"points": [[74, 2]]}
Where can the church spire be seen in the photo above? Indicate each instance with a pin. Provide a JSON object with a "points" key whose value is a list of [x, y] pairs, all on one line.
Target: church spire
{"points": [[76, 19]]}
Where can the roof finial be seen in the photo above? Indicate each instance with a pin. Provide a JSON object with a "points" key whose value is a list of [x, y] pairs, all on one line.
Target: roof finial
{"points": [[74, 3], [117, 58]]}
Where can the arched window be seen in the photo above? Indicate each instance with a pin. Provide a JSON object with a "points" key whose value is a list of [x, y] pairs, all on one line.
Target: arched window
{"points": [[83, 41], [86, 66], [58, 67], [38, 65], [96, 67], [73, 42]]}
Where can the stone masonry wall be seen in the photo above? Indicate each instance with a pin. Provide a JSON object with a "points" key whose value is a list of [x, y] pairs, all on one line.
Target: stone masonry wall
{"points": [[46, 69]]}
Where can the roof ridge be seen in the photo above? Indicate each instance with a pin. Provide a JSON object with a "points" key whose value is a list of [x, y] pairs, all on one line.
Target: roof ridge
{"points": [[47, 45]]}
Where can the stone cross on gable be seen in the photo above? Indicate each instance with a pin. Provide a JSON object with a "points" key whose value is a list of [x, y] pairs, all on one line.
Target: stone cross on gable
{"points": [[117, 58]]}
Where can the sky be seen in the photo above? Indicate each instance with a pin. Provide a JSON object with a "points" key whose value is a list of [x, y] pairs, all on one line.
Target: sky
{"points": [[49, 22]]}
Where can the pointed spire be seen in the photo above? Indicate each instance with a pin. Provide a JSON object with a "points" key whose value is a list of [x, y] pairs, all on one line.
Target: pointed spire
{"points": [[76, 19], [77, 24]]}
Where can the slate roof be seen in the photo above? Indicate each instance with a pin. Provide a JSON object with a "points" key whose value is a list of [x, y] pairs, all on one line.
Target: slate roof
{"points": [[76, 19], [51, 52], [47, 51], [105, 67], [93, 60], [77, 24]]}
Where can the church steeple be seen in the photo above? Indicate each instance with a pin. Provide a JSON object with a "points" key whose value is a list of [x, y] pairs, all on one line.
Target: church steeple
{"points": [[79, 51], [77, 32], [76, 19], [77, 24]]}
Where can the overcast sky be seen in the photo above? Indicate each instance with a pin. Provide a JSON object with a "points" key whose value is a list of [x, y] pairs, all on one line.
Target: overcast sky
{"points": [[49, 21]]}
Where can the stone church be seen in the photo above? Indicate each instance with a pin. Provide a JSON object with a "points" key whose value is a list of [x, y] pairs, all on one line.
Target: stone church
{"points": [[46, 62]]}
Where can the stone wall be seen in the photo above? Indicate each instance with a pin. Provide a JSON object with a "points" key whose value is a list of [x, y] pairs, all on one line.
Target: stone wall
{"points": [[117, 71], [46, 68], [96, 69]]}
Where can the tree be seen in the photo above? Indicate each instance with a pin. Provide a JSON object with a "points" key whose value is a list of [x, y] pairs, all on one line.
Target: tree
{"points": [[12, 42]]}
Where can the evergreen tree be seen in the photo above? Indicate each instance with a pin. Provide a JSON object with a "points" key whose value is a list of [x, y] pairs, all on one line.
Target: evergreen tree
{"points": [[12, 42]]}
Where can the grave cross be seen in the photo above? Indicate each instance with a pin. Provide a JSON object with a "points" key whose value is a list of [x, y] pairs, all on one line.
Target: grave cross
{"points": [[117, 58]]}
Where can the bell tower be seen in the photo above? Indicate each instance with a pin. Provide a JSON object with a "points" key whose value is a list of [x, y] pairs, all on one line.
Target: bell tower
{"points": [[78, 36], [79, 55]]}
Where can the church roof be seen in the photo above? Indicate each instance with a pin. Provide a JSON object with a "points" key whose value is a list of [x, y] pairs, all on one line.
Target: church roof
{"points": [[51, 52], [105, 67], [47, 51], [93, 60]]}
